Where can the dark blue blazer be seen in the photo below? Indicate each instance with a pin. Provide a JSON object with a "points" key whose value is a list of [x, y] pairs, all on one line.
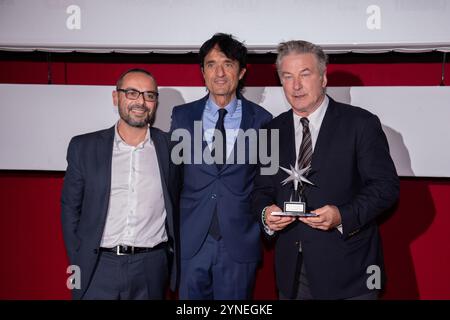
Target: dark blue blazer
{"points": [[85, 198], [352, 169], [205, 187]]}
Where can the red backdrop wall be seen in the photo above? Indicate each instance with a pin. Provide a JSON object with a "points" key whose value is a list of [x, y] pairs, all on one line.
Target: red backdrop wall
{"points": [[33, 261]]}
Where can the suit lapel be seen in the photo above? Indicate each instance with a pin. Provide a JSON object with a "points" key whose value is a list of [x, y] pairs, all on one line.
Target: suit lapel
{"points": [[288, 154], [104, 165], [197, 115], [248, 114], [325, 137], [197, 112], [162, 156], [247, 122]]}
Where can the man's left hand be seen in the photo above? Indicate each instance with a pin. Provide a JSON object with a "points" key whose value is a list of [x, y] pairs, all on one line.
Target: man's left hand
{"points": [[328, 217]]}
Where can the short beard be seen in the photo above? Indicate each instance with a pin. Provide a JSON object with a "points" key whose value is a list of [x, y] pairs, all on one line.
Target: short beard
{"points": [[137, 123]]}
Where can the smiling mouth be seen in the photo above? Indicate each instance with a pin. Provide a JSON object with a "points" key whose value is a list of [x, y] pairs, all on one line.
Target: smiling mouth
{"points": [[220, 81], [138, 110]]}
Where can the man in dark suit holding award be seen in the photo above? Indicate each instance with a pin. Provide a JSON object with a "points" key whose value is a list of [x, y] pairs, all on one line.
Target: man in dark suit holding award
{"points": [[118, 209], [343, 152], [219, 235]]}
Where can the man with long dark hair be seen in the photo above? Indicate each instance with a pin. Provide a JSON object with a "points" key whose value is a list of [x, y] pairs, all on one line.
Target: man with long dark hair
{"points": [[220, 237]]}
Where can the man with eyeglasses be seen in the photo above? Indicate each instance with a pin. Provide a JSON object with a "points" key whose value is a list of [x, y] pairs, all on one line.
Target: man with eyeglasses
{"points": [[117, 209]]}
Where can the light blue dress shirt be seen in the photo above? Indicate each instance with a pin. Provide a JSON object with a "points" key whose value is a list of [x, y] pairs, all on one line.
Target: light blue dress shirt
{"points": [[232, 122]]}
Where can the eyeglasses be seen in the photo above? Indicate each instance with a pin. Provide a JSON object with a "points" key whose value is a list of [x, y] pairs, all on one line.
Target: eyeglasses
{"points": [[132, 94]]}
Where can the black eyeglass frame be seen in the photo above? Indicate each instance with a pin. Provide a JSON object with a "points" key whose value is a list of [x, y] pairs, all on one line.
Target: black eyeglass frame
{"points": [[128, 91]]}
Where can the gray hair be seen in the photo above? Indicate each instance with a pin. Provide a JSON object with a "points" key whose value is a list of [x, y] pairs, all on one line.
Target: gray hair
{"points": [[302, 47]]}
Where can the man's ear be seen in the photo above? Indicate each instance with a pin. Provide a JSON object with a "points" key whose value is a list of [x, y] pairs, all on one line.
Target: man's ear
{"points": [[115, 96], [242, 73], [324, 79], [203, 72]]}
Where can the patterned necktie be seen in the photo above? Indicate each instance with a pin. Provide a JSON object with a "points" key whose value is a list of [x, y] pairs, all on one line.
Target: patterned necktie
{"points": [[305, 152], [220, 126]]}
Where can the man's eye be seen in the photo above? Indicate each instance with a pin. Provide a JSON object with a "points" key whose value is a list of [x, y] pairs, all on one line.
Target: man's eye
{"points": [[132, 93]]}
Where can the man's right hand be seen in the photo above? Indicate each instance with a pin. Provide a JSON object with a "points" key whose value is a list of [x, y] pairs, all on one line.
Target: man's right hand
{"points": [[277, 223]]}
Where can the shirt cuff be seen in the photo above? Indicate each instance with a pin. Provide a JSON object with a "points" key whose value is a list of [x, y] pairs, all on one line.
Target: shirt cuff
{"points": [[339, 227], [267, 230]]}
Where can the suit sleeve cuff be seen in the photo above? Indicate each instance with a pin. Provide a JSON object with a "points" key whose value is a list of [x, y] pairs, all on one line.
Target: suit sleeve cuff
{"points": [[267, 230]]}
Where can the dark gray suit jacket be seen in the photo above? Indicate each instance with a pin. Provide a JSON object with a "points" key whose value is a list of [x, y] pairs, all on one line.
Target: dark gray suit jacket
{"points": [[85, 199]]}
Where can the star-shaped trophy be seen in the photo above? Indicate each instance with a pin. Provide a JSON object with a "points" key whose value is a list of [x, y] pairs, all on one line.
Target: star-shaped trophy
{"points": [[291, 207]]}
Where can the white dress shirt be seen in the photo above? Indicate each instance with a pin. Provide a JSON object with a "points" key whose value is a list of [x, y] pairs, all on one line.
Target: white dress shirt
{"points": [[136, 212], [315, 122]]}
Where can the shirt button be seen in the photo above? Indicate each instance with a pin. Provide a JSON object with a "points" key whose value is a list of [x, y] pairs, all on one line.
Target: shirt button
{"points": [[213, 196]]}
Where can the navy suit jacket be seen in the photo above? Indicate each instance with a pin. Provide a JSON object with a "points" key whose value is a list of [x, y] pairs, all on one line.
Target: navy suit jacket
{"points": [[85, 198], [205, 187], [351, 169]]}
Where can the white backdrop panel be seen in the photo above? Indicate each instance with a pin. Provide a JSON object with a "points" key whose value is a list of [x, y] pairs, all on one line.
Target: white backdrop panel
{"points": [[183, 25], [37, 121]]}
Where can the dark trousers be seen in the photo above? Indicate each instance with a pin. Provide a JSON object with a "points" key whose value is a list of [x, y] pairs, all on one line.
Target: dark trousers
{"points": [[213, 275], [304, 292], [141, 276]]}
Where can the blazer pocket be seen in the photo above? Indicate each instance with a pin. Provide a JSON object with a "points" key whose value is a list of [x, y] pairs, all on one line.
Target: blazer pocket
{"points": [[358, 239]]}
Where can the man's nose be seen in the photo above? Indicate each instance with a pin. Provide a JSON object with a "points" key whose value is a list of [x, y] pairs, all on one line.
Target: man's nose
{"points": [[140, 98], [220, 71], [297, 83]]}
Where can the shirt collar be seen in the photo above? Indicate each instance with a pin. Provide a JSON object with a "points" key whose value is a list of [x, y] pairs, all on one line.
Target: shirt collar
{"points": [[213, 108], [315, 118], [118, 141]]}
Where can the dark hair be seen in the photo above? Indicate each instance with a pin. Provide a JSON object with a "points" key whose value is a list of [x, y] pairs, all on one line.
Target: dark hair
{"points": [[232, 48], [134, 70]]}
